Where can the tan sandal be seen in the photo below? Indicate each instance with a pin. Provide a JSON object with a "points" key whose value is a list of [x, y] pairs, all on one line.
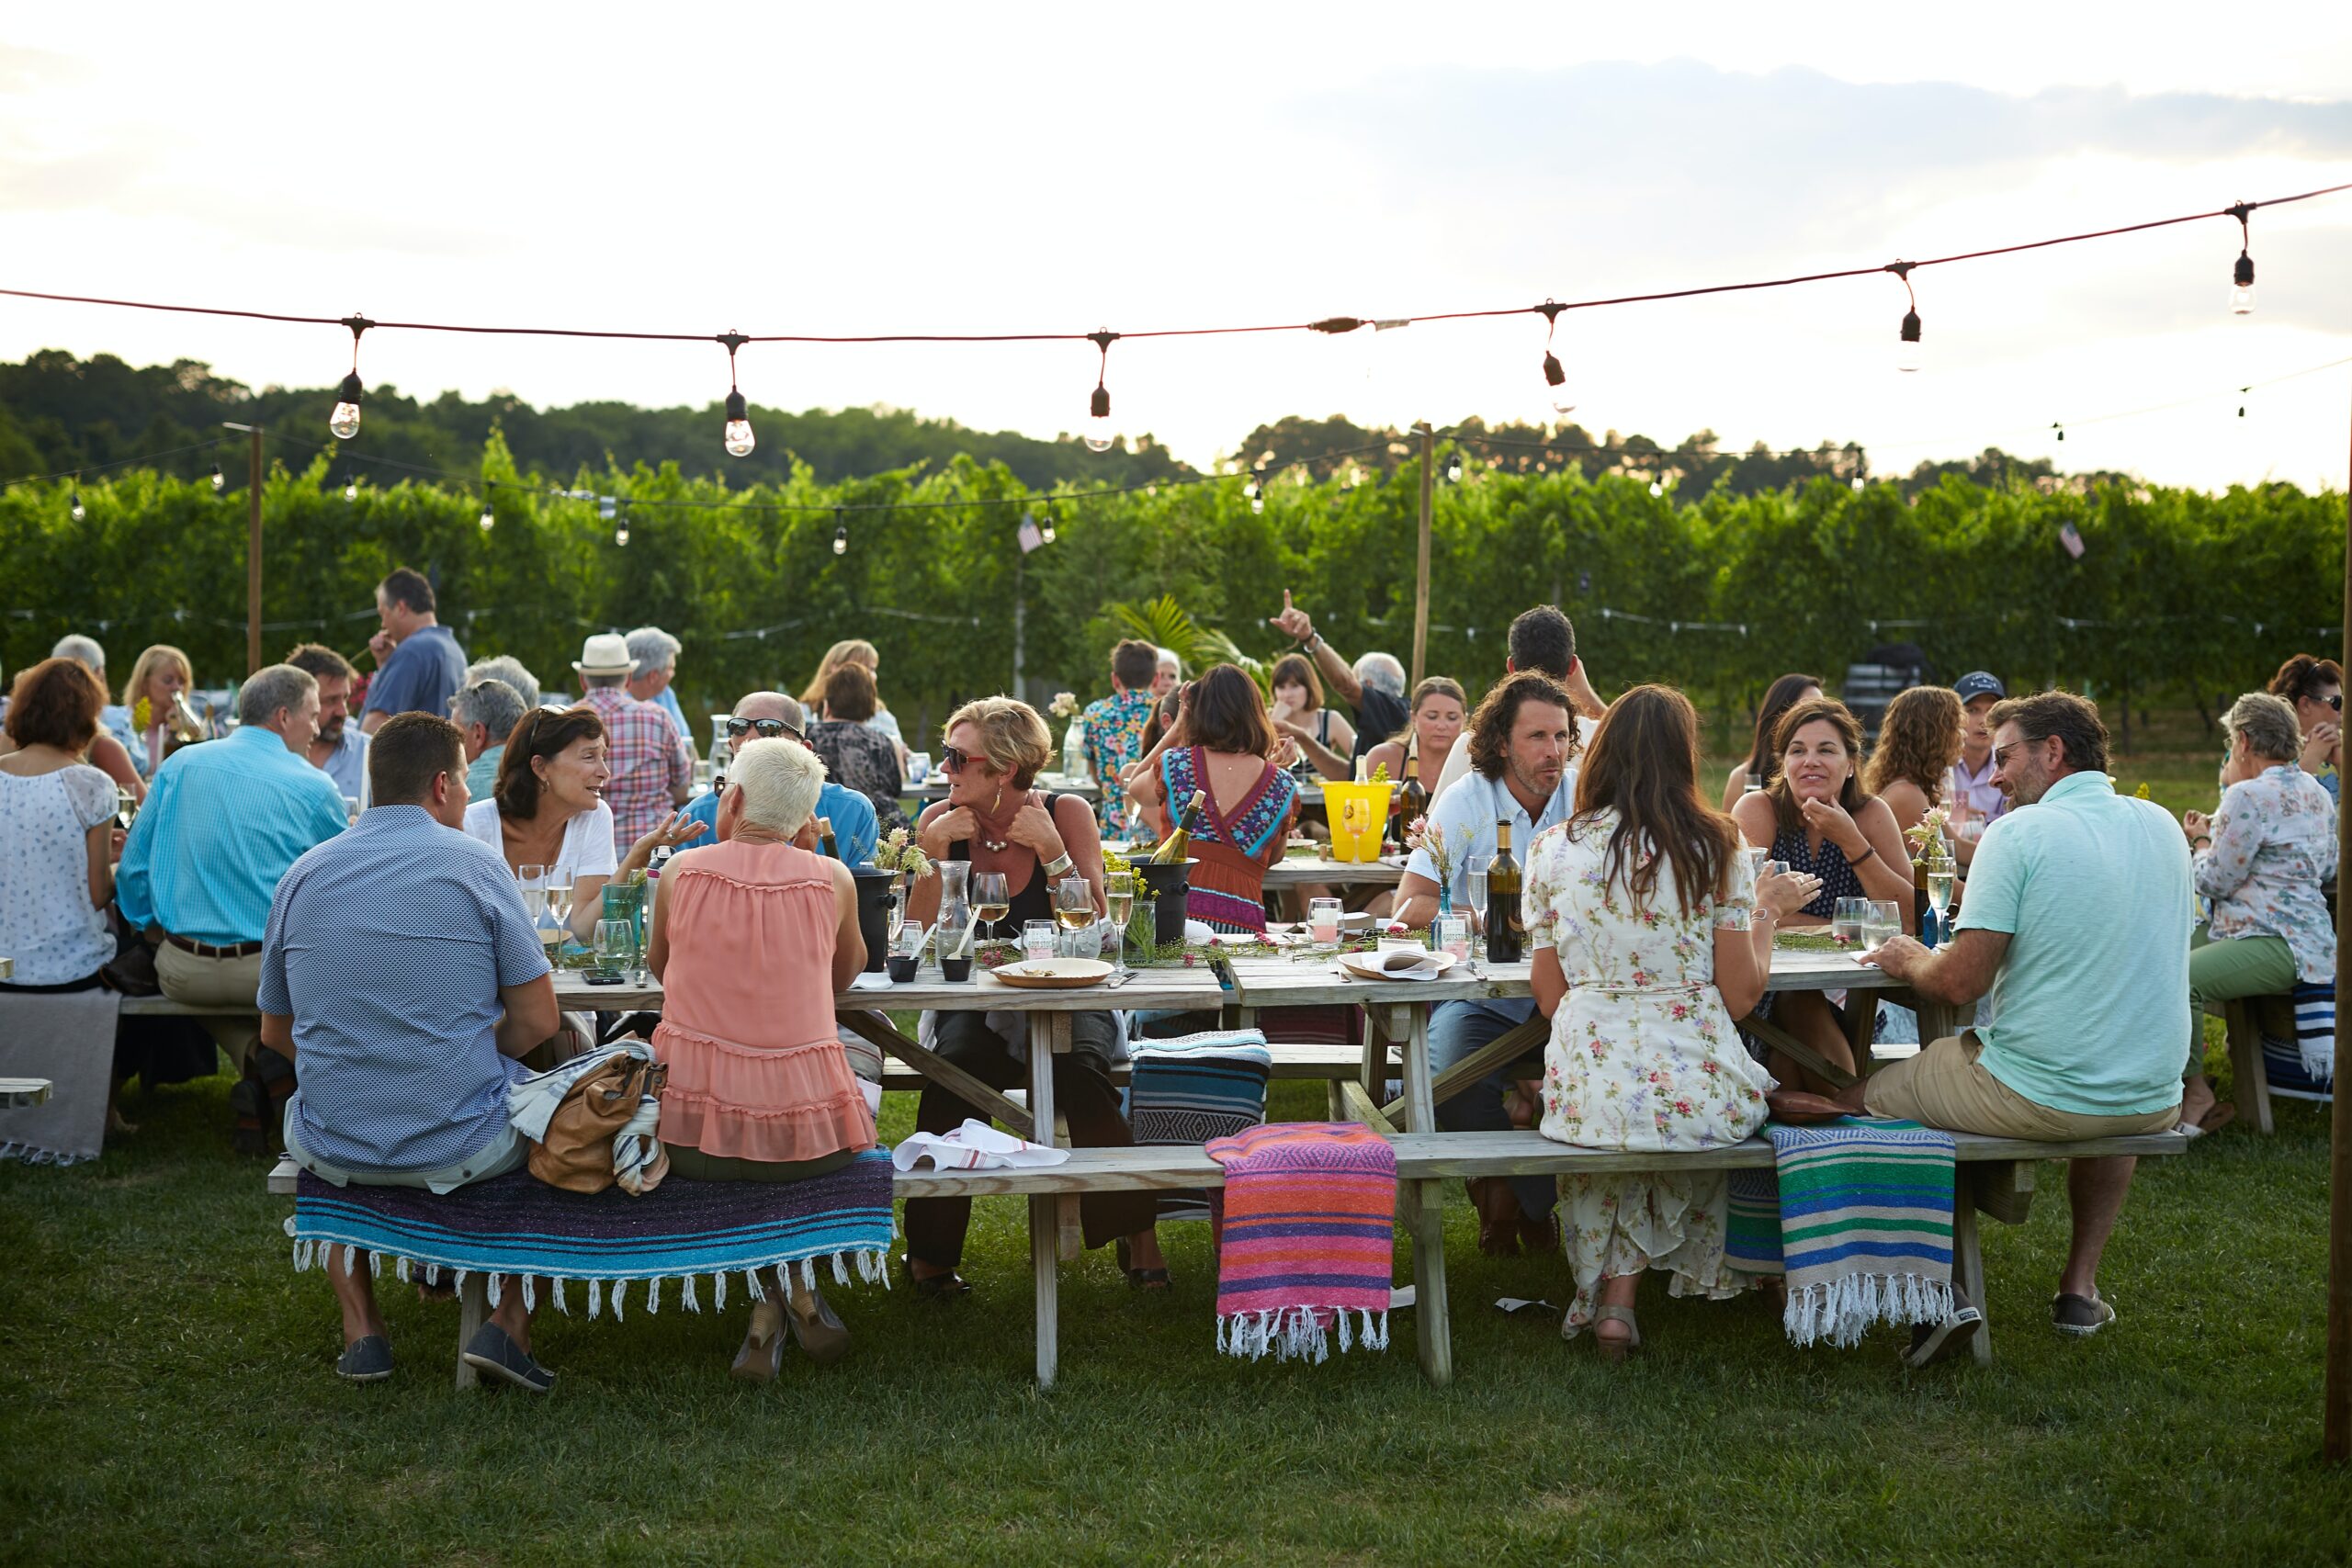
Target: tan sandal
{"points": [[762, 1356], [1616, 1349], [824, 1338]]}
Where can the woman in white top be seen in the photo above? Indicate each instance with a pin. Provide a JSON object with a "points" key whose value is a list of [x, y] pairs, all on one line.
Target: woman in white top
{"points": [[161, 674], [549, 809]]}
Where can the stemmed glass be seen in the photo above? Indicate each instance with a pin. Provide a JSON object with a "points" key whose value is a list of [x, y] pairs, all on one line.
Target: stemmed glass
{"points": [[1119, 901], [560, 902], [1074, 910], [1476, 869], [617, 946], [531, 881], [991, 900]]}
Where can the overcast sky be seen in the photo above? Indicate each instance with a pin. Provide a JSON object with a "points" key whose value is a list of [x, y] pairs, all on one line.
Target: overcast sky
{"points": [[1030, 168]]}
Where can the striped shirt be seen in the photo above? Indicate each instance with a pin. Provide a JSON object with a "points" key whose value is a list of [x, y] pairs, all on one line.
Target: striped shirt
{"points": [[650, 762], [387, 948], [223, 821]]}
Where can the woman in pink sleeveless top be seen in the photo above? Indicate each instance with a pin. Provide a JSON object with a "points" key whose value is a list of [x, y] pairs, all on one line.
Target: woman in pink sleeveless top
{"points": [[751, 938]]}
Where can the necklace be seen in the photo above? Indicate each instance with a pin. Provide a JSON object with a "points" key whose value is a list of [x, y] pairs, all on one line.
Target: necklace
{"points": [[994, 846]]}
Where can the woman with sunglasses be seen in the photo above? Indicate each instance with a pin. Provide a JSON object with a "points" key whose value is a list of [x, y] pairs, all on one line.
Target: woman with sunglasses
{"points": [[992, 819], [2315, 687]]}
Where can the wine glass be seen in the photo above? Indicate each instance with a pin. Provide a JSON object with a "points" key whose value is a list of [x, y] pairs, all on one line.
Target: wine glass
{"points": [[125, 809], [616, 945], [1119, 901], [560, 900], [531, 881], [990, 899], [1074, 910]]}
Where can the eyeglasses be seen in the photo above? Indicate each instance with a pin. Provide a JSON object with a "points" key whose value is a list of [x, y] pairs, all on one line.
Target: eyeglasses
{"points": [[2337, 702], [2001, 753], [953, 760], [767, 729]]}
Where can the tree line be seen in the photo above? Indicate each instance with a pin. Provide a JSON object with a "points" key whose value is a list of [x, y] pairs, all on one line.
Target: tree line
{"points": [[2180, 597]]}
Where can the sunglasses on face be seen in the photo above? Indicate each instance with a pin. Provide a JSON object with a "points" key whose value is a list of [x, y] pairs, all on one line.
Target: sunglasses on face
{"points": [[954, 759], [2337, 702], [767, 729]]}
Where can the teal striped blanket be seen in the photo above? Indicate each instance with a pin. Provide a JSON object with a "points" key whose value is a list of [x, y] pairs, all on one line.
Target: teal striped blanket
{"points": [[1857, 1213]]}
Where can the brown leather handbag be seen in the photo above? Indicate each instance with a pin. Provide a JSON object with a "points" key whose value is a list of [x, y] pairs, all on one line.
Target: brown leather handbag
{"points": [[577, 1153]]}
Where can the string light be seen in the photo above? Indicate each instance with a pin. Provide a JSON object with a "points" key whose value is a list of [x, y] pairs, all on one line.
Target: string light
{"points": [[1046, 532], [620, 532], [1100, 435], [351, 487], [2242, 392], [1453, 469], [1907, 348], [220, 480], [738, 436], [1860, 484], [344, 420], [489, 518], [1553, 376], [2242, 275], [1256, 490], [78, 510], [840, 533], [2059, 427], [1656, 489]]}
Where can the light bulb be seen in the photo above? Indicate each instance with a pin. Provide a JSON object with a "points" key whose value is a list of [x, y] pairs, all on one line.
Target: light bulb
{"points": [[220, 480], [841, 538], [1099, 433], [1656, 489], [1556, 378], [2241, 285], [1257, 505], [1355, 477], [1047, 533], [1453, 469], [1907, 348], [351, 489], [79, 511], [739, 440], [620, 535], [344, 420], [489, 518], [1860, 484]]}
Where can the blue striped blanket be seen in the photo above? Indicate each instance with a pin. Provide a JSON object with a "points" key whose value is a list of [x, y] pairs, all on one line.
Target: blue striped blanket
{"points": [[1192, 1088], [679, 1231], [1857, 1213]]}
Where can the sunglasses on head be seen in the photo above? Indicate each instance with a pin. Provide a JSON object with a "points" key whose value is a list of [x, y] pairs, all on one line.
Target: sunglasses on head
{"points": [[767, 729]]}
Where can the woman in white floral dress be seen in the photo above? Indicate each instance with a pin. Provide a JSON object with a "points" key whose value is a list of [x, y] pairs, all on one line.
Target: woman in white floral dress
{"points": [[1650, 935]]}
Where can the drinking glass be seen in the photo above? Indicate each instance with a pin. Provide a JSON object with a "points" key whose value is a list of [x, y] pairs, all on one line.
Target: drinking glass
{"points": [[1942, 874], [1074, 912], [918, 768], [990, 900], [1884, 922], [1323, 920], [1037, 940], [1355, 817], [531, 881], [125, 809], [559, 899], [1119, 902], [1846, 921], [1477, 866], [1454, 936], [617, 946]]}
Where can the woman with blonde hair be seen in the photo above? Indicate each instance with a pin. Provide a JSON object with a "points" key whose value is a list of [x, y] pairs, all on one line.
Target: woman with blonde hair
{"points": [[162, 675]]}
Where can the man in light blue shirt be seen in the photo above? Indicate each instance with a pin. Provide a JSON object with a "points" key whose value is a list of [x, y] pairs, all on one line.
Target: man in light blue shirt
{"points": [[763, 715], [1520, 741], [221, 823], [2076, 921], [341, 749], [402, 973], [486, 713]]}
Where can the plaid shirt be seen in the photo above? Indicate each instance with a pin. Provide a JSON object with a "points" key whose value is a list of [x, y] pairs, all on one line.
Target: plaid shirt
{"points": [[648, 760]]}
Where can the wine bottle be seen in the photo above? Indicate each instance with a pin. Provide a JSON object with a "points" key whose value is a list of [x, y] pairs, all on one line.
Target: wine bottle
{"points": [[1506, 931], [1174, 849], [1413, 800], [825, 839]]}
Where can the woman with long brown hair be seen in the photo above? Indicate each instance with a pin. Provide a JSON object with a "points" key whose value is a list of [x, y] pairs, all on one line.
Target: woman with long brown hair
{"points": [[1650, 935], [1819, 821], [1223, 744], [1919, 741], [1763, 760]]}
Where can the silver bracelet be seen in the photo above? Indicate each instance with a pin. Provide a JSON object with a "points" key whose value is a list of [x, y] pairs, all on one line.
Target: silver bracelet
{"points": [[1059, 866]]}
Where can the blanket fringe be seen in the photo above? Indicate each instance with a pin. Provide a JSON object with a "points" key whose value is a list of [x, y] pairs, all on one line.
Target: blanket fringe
{"points": [[1842, 1311], [718, 1290], [1298, 1333], [32, 1153], [1286, 1336]]}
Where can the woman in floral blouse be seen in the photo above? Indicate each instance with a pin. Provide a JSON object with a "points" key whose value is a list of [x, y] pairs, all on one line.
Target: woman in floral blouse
{"points": [[1650, 935], [2260, 859]]}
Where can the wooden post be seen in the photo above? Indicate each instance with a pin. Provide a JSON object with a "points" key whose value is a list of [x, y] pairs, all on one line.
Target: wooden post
{"points": [[2337, 1441], [253, 554], [1421, 559]]}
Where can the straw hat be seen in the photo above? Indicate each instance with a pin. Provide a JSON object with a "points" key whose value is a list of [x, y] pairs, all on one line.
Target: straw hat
{"points": [[606, 653]]}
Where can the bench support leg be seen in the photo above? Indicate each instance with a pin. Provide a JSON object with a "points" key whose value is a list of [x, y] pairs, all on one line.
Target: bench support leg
{"points": [[1432, 1327], [2245, 1024], [1968, 1269], [1045, 1212], [473, 1311]]}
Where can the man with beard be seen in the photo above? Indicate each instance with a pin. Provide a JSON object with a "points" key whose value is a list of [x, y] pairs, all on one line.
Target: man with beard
{"points": [[1521, 740], [341, 749], [2077, 922]]}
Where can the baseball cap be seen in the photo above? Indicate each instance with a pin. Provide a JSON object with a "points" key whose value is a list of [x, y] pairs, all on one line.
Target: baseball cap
{"points": [[1979, 684]]}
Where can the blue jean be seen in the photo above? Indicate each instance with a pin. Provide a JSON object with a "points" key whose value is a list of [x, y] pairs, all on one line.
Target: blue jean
{"points": [[1462, 1028]]}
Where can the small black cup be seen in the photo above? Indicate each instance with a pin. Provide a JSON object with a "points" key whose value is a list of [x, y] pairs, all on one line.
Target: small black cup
{"points": [[902, 969], [955, 969]]}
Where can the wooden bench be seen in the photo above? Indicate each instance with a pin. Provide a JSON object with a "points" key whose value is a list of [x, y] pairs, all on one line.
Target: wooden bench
{"points": [[1998, 1180], [1326, 1063], [2247, 1019]]}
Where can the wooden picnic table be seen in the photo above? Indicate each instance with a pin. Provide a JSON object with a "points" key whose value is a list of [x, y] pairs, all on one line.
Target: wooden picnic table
{"points": [[1305, 871]]}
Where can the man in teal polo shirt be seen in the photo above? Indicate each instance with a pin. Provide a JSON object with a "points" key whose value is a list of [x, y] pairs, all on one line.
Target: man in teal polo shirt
{"points": [[2077, 921]]}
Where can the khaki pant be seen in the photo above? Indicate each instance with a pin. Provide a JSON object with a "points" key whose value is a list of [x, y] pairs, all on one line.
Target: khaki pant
{"points": [[215, 982], [1944, 1086]]}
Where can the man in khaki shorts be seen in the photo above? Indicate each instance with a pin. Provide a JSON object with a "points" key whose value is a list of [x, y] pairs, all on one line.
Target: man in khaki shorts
{"points": [[2077, 921]]}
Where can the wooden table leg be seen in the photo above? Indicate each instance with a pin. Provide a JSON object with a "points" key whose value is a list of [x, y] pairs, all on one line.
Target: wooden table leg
{"points": [[1045, 1212], [1968, 1269], [1425, 1208]]}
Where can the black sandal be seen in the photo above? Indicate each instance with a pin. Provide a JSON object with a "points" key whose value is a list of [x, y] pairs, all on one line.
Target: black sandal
{"points": [[938, 1287], [1141, 1278]]}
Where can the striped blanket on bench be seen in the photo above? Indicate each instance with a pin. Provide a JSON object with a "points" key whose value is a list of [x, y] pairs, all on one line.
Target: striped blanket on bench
{"points": [[681, 1231]]}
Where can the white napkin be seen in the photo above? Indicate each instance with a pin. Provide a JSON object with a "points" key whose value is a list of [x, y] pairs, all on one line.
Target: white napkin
{"points": [[975, 1145], [871, 980], [1399, 963]]}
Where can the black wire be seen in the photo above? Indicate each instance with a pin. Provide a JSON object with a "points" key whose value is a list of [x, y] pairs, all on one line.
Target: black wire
{"points": [[118, 462]]}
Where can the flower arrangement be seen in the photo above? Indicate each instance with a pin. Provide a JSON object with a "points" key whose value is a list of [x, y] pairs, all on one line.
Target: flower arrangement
{"points": [[142, 715], [1926, 837], [900, 853], [1421, 833], [1064, 706]]}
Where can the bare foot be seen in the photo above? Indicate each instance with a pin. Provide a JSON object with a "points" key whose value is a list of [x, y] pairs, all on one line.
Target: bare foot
{"points": [[116, 1125], [2196, 1098]]}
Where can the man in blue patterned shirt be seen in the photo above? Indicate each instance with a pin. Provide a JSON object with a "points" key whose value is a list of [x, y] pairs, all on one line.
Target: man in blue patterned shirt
{"points": [[1114, 727], [221, 823], [402, 974]]}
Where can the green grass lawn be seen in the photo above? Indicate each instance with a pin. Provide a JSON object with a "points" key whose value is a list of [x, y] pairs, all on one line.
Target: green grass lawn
{"points": [[165, 1379]]}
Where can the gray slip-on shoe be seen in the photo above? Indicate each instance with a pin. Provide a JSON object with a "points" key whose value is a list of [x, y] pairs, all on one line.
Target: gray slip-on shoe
{"points": [[493, 1350], [1931, 1342], [368, 1359]]}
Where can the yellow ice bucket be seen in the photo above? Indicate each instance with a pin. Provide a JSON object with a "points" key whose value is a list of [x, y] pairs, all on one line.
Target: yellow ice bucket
{"points": [[1358, 814]]}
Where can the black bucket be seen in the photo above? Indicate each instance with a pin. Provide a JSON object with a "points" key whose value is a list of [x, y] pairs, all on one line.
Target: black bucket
{"points": [[874, 888], [1169, 886]]}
